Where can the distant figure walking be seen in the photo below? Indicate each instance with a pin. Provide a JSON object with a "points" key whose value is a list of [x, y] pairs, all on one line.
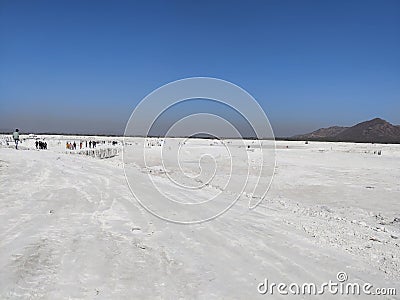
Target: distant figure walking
{"points": [[37, 144], [16, 137], [74, 145]]}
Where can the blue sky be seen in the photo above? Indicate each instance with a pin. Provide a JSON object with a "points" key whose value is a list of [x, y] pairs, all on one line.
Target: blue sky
{"points": [[82, 66]]}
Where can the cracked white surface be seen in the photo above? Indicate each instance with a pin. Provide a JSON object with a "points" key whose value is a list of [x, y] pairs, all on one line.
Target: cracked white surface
{"points": [[70, 229]]}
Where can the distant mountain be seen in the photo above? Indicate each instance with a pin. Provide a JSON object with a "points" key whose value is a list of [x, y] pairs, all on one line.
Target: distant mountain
{"points": [[372, 131], [321, 133]]}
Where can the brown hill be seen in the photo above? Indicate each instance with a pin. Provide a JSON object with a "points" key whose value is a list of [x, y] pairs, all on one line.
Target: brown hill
{"points": [[372, 131], [321, 133]]}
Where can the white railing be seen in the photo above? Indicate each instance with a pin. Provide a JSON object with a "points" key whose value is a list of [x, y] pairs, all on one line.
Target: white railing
{"points": [[100, 153]]}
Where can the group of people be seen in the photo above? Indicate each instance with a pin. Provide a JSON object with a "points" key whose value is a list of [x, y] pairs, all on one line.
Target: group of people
{"points": [[72, 146], [41, 145]]}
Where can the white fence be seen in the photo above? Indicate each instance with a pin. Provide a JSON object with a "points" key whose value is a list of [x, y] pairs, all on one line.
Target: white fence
{"points": [[100, 153]]}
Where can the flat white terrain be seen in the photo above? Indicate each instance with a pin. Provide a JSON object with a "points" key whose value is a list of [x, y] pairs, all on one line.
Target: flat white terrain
{"points": [[70, 227]]}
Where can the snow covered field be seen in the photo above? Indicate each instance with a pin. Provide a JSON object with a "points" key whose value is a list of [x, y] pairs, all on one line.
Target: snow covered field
{"points": [[70, 227]]}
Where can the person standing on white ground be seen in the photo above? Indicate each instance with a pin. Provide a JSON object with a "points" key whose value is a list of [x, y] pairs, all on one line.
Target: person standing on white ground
{"points": [[16, 137]]}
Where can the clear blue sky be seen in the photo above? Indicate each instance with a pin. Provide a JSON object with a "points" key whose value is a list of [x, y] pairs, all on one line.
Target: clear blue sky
{"points": [[82, 66]]}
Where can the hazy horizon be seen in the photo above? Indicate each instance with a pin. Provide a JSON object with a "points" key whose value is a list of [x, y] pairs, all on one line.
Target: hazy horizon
{"points": [[79, 131]]}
